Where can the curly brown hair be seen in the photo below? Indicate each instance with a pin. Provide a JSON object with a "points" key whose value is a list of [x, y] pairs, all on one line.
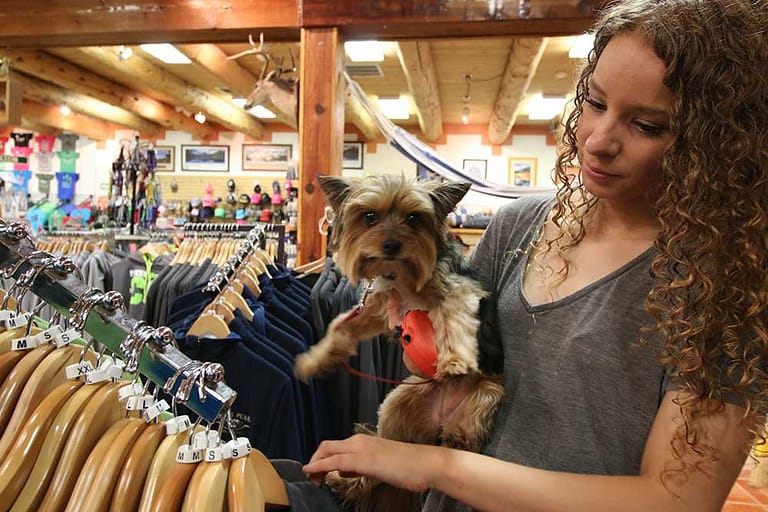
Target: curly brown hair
{"points": [[710, 293]]}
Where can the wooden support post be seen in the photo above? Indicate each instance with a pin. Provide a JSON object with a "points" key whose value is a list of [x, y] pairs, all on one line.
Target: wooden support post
{"points": [[321, 130], [10, 94]]}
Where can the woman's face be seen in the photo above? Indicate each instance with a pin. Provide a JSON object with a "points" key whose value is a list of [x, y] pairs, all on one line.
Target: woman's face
{"points": [[624, 127]]}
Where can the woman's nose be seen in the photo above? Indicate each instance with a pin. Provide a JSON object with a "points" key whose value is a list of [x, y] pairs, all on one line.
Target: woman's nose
{"points": [[603, 140]]}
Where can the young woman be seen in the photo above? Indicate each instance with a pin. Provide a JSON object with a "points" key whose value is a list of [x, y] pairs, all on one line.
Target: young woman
{"points": [[634, 304]]}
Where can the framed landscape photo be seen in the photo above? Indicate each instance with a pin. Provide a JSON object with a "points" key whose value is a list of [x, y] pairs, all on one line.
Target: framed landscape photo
{"points": [[205, 158], [475, 168], [165, 156], [353, 155], [522, 171], [266, 157]]}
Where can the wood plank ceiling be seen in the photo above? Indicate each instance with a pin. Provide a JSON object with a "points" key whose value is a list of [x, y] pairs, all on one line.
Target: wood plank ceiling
{"points": [[141, 93]]}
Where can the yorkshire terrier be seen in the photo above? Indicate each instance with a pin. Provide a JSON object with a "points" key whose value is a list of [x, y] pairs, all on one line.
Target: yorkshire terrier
{"points": [[392, 233]]}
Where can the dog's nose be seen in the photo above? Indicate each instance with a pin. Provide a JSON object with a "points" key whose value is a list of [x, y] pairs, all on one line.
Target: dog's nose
{"points": [[391, 247]]}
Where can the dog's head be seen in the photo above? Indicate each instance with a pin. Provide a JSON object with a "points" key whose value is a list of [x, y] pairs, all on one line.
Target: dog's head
{"points": [[390, 226]]}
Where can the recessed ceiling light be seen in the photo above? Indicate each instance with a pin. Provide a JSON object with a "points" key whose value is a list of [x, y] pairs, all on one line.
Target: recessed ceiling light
{"points": [[365, 51], [545, 107], [65, 110], [166, 52], [200, 117]]}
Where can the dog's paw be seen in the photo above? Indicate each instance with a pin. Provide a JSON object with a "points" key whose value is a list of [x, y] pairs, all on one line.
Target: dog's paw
{"points": [[306, 367]]}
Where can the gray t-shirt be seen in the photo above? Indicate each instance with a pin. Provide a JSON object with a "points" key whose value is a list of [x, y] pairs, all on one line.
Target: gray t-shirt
{"points": [[581, 393]]}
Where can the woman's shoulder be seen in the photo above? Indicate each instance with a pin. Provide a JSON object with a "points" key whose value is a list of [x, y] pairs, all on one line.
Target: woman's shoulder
{"points": [[525, 208]]}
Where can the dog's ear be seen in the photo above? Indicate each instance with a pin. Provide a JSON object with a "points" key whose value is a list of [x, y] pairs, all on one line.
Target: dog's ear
{"points": [[445, 196], [336, 189]]}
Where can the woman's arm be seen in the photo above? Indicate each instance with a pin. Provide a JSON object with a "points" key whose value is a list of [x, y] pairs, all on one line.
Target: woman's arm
{"points": [[489, 484]]}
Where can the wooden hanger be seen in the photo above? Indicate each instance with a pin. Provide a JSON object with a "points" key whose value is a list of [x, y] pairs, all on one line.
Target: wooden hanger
{"points": [[209, 493], [14, 383], [45, 377], [19, 463], [209, 324], [127, 494], [101, 412], [244, 492], [89, 473], [42, 473], [171, 494], [234, 300], [99, 493], [8, 361], [271, 484], [6, 337], [163, 463]]}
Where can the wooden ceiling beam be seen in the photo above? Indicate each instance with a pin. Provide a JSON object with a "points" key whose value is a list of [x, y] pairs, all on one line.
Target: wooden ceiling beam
{"points": [[239, 80], [189, 97], [419, 69], [43, 92], [524, 57], [49, 115], [55, 70], [355, 114]]}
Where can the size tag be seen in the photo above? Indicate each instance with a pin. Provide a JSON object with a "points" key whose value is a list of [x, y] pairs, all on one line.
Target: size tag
{"points": [[18, 321], [98, 375], [6, 314], [66, 337], [237, 448], [48, 336], [214, 454], [155, 410], [178, 424], [188, 455], [139, 403], [129, 390], [200, 441], [115, 372], [77, 370], [25, 343]]}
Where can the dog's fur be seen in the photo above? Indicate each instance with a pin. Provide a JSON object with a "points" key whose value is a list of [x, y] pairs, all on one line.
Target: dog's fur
{"points": [[393, 231]]}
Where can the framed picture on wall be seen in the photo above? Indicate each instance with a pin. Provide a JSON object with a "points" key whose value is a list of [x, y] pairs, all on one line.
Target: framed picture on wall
{"points": [[522, 171], [266, 157], [475, 168], [165, 156], [352, 157], [205, 158]]}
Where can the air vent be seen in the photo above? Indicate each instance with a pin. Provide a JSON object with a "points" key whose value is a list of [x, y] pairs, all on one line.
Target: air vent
{"points": [[364, 70]]}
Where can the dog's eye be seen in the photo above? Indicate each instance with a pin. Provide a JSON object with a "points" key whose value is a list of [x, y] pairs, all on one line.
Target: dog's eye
{"points": [[370, 218], [412, 219]]}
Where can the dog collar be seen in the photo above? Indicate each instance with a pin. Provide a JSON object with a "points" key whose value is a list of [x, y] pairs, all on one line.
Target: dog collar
{"points": [[417, 336]]}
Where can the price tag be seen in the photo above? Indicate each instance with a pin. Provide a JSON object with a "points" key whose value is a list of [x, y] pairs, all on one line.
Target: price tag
{"points": [[48, 336], [129, 390], [178, 424], [188, 455], [25, 343], [237, 448], [77, 370], [18, 321], [155, 410]]}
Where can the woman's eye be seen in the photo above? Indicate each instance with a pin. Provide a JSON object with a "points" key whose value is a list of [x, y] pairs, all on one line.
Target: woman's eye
{"points": [[596, 105], [412, 219], [649, 129], [370, 218]]}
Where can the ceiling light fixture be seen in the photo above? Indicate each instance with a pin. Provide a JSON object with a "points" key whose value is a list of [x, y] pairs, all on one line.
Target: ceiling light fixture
{"points": [[543, 107], [395, 108], [465, 112], [200, 117], [166, 52], [581, 46], [365, 51], [65, 110]]}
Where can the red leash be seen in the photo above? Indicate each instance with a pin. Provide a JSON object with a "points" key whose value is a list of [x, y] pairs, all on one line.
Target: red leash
{"points": [[376, 378]]}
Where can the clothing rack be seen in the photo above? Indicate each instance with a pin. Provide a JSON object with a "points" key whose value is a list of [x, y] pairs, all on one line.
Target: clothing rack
{"points": [[159, 363], [270, 231]]}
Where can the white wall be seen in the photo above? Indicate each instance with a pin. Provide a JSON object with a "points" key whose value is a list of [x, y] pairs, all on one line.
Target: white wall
{"points": [[95, 162]]}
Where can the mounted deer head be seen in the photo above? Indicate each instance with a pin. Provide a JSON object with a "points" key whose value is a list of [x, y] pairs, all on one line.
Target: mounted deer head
{"points": [[281, 91]]}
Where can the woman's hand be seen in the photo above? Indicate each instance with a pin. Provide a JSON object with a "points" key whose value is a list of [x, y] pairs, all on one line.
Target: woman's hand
{"points": [[404, 465]]}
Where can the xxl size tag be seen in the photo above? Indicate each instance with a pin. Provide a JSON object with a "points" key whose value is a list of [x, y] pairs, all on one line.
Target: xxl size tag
{"points": [[77, 370]]}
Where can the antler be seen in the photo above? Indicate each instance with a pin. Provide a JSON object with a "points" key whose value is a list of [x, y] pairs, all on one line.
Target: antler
{"points": [[260, 51]]}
